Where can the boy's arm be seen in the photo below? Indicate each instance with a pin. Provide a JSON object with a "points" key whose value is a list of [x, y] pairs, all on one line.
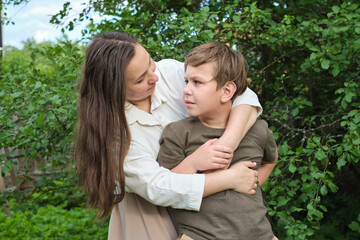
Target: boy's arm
{"points": [[241, 119], [239, 177], [246, 109], [265, 169], [207, 156], [269, 159]]}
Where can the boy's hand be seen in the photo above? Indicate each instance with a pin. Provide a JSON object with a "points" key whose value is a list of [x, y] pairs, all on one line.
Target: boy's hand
{"points": [[210, 156]]}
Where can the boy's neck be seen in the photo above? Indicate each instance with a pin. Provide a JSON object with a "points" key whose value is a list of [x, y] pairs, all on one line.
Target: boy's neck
{"points": [[218, 118]]}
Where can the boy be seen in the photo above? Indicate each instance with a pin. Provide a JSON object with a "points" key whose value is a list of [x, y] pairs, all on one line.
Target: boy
{"points": [[215, 75]]}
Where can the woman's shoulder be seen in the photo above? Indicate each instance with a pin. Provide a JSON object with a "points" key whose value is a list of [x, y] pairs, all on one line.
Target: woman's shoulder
{"points": [[166, 63]]}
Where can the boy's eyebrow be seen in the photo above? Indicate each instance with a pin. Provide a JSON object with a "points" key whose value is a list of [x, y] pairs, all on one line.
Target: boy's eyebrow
{"points": [[198, 77], [142, 75]]}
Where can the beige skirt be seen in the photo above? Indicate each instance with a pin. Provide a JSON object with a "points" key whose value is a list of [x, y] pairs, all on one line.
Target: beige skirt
{"points": [[135, 218]]}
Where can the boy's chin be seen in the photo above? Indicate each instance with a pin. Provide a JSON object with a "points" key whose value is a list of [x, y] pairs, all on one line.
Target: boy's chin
{"points": [[192, 113]]}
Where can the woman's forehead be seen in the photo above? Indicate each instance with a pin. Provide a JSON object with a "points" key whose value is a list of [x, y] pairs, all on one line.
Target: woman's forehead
{"points": [[138, 64]]}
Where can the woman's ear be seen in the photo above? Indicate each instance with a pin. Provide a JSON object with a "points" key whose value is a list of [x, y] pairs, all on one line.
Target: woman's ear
{"points": [[229, 90]]}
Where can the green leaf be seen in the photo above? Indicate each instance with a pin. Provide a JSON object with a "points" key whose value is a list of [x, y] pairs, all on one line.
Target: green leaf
{"points": [[16, 94], [336, 70], [323, 190], [325, 64], [348, 97], [353, 113], [330, 14], [40, 118], [339, 150], [292, 168], [316, 140], [295, 112], [313, 56], [341, 161], [320, 154], [211, 25], [5, 170], [356, 141], [335, 9], [236, 19], [37, 85], [282, 201], [354, 226]]}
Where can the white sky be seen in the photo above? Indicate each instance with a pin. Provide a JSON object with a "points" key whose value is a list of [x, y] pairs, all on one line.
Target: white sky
{"points": [[32, 21]]}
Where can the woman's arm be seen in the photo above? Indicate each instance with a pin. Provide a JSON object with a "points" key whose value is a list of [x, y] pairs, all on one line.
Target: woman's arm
{"points": [[246, 109], [238, 177], [241, 119], [160, 186]]}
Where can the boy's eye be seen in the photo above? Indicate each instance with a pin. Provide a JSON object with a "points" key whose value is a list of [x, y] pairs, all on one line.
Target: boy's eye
{"points": [[186, 81], [197, 82]]}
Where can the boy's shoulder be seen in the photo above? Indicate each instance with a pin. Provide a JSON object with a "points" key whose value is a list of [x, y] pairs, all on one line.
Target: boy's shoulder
{"points": [[259, 132], [182, 127], [183, 123], [260, 125]]}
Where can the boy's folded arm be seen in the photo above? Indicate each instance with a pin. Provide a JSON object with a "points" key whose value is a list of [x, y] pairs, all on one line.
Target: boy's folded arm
{"points": [[265, 169]]}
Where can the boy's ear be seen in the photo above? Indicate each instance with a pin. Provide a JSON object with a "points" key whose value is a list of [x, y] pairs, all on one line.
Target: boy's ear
{"points": [[229, 90]]}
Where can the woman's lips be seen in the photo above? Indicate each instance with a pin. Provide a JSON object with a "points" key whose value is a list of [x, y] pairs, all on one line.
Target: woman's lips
{"points": [[152, 87]]}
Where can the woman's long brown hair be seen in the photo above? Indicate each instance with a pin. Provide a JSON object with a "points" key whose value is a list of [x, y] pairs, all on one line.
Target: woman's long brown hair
{"points": [[103, 136]]}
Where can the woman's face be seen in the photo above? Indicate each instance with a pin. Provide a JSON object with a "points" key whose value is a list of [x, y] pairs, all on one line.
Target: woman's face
{"points": [[140, 77]]}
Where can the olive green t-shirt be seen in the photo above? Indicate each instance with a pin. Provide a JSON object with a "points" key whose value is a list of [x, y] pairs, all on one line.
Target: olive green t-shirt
{"points": [[227, 214]]}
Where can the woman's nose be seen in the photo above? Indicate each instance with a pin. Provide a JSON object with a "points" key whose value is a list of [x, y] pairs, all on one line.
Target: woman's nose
{"points": [[154, 78]]}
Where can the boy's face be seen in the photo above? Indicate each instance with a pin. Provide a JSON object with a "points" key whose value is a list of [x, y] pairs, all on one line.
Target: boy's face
{"points": [[200, 95]]}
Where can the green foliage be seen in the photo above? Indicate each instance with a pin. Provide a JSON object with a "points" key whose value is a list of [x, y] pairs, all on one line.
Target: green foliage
{"points": [[38, 99], [50, 222], [355, 225]]}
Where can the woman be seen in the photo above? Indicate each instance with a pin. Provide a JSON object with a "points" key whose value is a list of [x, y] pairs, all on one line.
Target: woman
{"points": [[125, 101]]}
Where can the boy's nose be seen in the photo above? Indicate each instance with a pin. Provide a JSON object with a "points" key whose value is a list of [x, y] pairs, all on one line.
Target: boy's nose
{"points": [[187, 90]]}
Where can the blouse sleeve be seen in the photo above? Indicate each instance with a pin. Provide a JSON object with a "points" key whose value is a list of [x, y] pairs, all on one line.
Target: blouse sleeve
{"points": [[159, 185], [249, 98]]}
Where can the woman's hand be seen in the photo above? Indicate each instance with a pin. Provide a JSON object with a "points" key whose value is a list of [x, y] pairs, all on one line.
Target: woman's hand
{"points": [[238, 177], [244, 179], [209, 157]]}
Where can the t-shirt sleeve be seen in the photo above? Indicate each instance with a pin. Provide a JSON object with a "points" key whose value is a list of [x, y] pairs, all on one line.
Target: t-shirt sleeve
{"points": [[250, 98], [171, 151], [270, 147]]}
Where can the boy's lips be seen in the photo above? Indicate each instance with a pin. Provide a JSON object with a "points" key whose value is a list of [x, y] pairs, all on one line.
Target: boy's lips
{"points": [[189, 103]]}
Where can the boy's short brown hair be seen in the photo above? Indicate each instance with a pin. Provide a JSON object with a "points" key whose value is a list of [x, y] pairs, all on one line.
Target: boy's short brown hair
{"points": [[228, 65]]}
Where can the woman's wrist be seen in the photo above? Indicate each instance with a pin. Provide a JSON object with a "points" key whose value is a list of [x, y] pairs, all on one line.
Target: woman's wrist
{"points": [[185, 167]]}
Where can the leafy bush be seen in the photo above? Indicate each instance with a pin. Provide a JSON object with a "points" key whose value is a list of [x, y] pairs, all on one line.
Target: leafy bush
{"points": [[50, 222], [38, 107]]}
